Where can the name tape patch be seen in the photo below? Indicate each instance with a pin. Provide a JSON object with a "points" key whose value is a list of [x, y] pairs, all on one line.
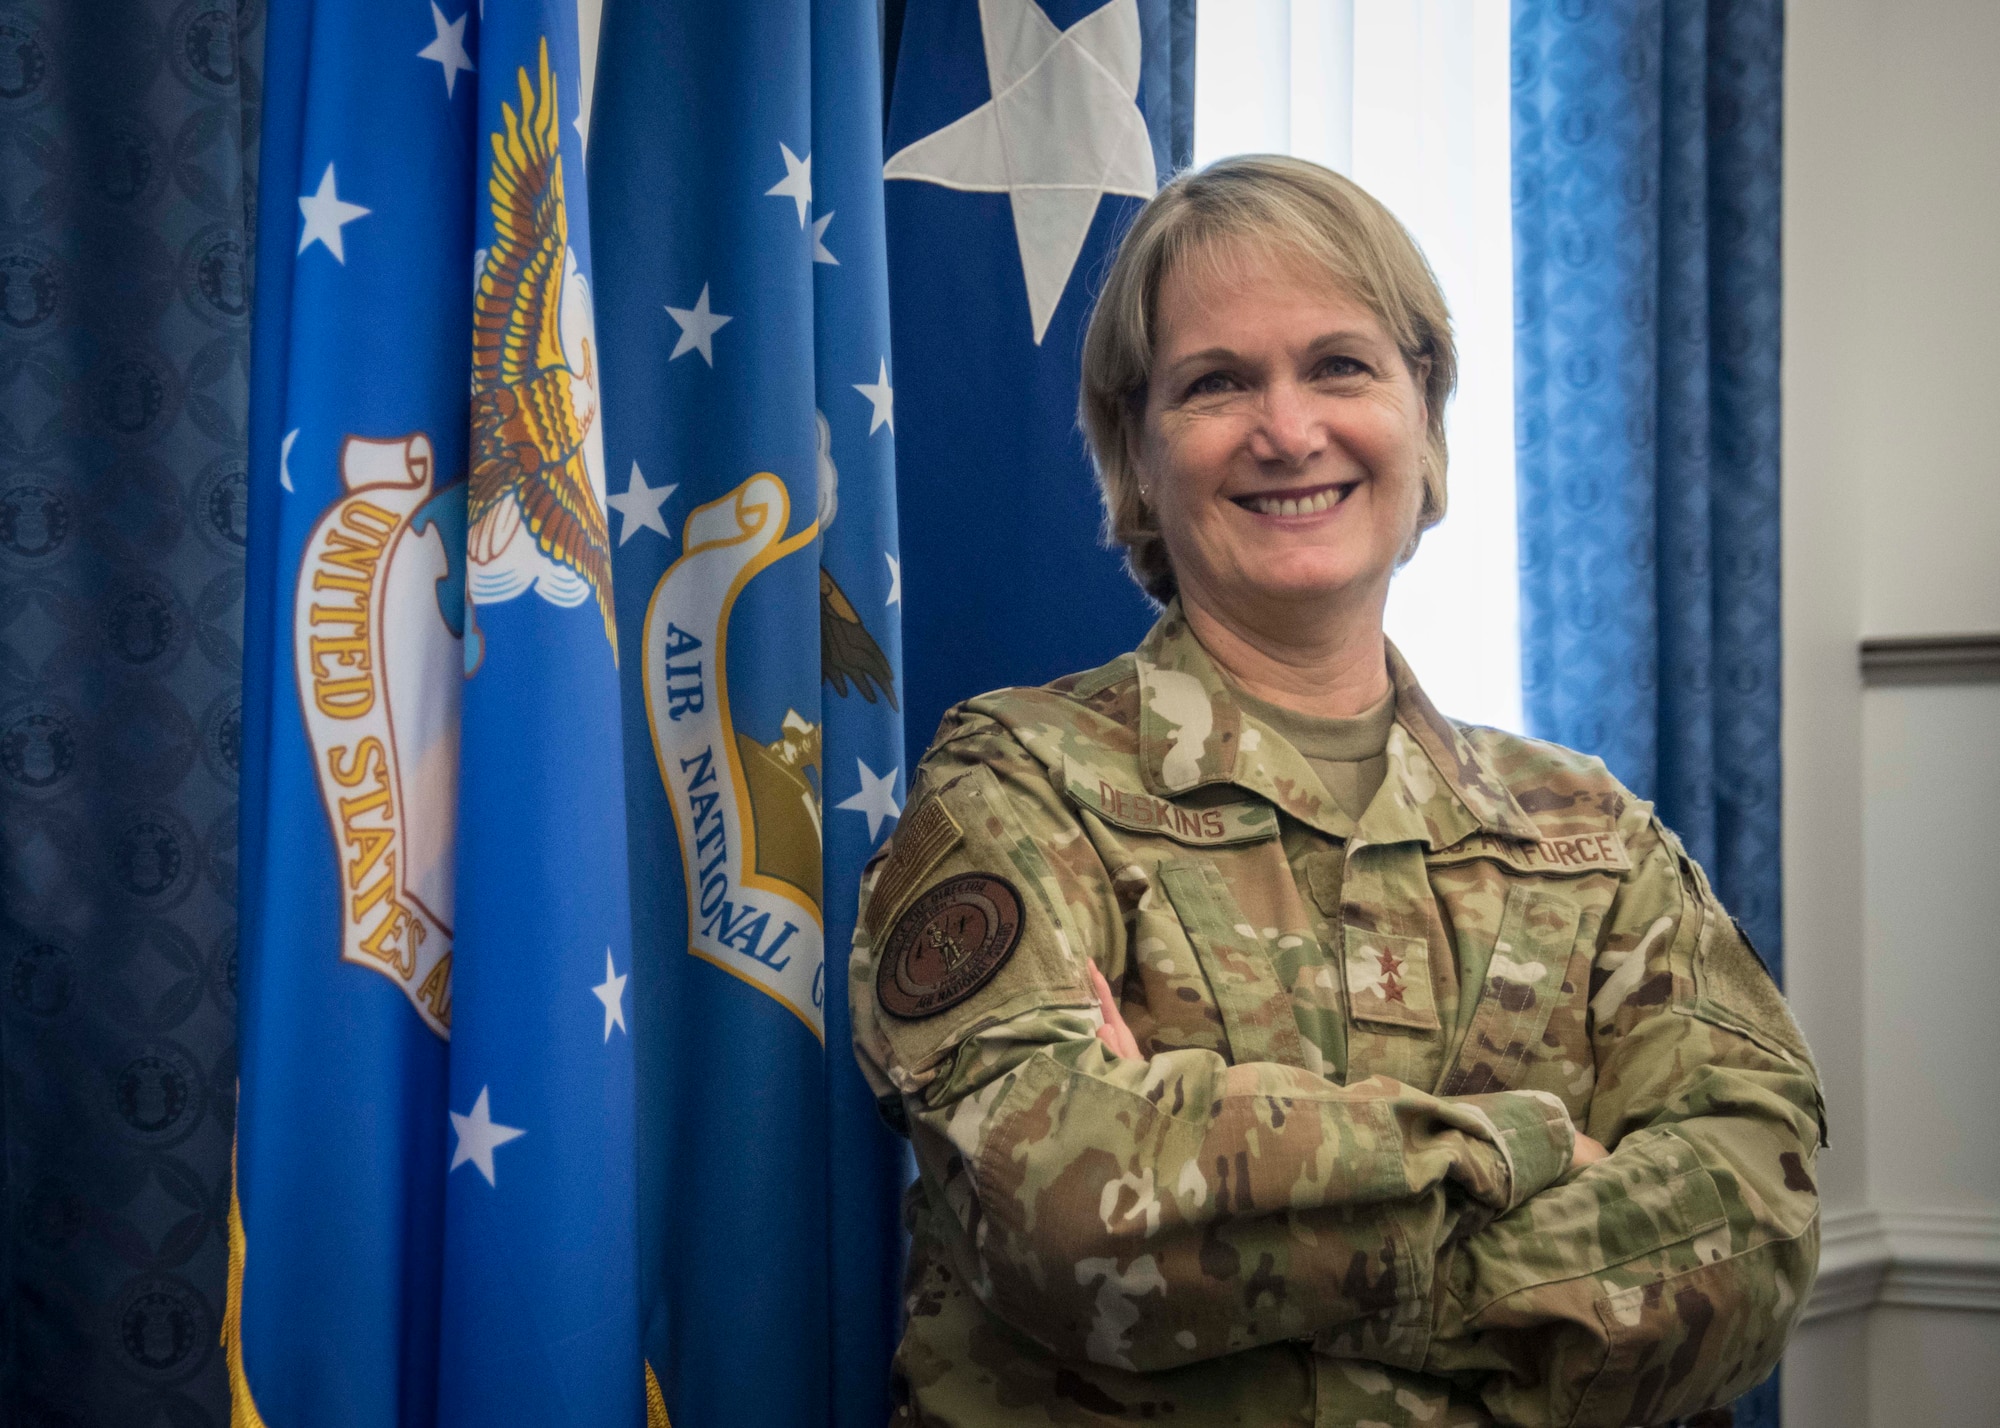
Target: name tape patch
{"points": [[1145, 813], [948, 945]]}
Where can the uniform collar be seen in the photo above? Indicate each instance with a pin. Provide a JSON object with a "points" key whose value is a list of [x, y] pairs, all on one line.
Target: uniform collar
{"points": [[1194, 732]]}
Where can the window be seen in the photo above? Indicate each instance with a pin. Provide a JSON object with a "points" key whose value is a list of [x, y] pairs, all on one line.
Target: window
{"points": [[1410, 99]]}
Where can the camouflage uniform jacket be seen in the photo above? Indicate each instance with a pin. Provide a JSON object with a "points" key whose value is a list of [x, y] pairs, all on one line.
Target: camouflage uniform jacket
{"points": [[1337, 1189]]}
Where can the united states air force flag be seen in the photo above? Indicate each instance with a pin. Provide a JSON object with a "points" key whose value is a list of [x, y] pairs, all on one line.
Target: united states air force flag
{"points": [[1022, 137], [435, 1216], [751, 393]]}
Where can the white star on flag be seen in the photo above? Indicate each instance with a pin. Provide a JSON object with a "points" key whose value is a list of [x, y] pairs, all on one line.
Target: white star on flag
{"points": [[478, 1134], [882, 397], [1061, 130], [797, 184], [895, 580], [698, 328], [326, 214], [640, 506], [448, 49], [611, 991], [821, 253], [877, 798]]}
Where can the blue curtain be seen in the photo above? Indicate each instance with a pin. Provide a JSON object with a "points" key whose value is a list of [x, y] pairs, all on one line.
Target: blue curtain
{"points": [[1646, 224], [127, 147]]}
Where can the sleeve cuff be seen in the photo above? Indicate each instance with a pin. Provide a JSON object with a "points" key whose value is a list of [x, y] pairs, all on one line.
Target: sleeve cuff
{"points": [[1536, 1138], [1535, 1141]]}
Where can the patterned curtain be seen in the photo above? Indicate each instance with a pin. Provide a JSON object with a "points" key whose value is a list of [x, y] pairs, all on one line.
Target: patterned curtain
{"points": [[1646, 211], [127, 136], [1646, 177]]}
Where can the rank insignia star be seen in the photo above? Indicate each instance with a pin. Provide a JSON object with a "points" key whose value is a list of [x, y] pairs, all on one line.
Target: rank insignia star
{"points": [[1392, 975]]}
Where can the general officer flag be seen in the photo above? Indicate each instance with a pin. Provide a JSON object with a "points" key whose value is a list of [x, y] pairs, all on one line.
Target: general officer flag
{"points": [[1019, 145], [434, 1218], [736, 177]]}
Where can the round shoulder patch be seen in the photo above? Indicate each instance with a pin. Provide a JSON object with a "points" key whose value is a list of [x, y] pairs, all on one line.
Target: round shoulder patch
{"points": [[948, 945]]}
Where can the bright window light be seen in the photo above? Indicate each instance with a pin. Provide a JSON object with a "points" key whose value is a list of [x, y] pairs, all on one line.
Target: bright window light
{"points": [[1410, 99]]}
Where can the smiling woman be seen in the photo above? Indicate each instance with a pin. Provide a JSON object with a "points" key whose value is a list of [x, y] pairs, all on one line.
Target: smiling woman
{"points": [[1261, 1032], [1274, 351]]}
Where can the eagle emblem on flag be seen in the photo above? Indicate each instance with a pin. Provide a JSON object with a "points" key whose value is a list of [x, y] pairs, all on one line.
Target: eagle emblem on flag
{"points": [[536, 517]]}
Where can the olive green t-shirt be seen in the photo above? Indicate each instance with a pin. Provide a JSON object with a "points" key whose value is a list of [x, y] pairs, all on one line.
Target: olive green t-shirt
{"points": [[1349, 755]]}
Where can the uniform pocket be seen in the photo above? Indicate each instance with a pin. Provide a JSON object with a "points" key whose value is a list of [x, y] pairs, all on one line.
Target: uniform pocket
{"points": [[1694, 1339], [1733, 989], [1388, 979], [1256, 1009], [1525, 977]]}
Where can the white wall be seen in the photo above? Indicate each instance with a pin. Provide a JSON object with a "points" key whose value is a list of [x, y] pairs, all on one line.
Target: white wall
{"points": [[1932, 782], [1927, 207], [1932, 1367], [1892, 856]]}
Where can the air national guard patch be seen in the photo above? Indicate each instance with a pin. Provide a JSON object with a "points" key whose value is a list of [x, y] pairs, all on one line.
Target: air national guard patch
{"points": [[948, 945]]}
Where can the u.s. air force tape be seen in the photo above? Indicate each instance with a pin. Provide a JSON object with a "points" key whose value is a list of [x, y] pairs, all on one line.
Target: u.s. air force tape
{"points": [[948, 945]]}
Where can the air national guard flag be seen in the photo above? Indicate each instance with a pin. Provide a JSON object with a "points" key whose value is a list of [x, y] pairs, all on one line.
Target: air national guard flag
{"points": [[736, 163], [435, 1216], [1019, 147]]}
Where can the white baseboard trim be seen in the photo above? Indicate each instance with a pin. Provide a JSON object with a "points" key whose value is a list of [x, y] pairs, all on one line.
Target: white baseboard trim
{"points": [[1925, 1259]]}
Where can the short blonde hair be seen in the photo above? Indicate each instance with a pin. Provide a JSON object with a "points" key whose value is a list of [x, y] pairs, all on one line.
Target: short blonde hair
{"points": [[1290, 209]]}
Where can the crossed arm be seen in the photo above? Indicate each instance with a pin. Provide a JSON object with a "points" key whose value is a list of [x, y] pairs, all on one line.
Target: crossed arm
{"points": [[1483, 1240], [1118, 1039], [1642, 1284]]}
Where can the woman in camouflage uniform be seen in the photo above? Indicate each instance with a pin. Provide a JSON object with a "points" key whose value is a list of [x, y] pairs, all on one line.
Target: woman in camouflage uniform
{"points": [[1276, 1050]]}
